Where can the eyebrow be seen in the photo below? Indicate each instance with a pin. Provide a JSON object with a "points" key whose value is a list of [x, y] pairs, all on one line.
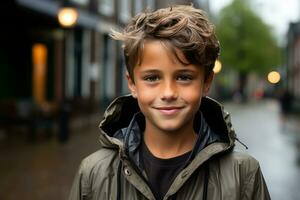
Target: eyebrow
{"points": [[150, 71], [146, 71], [186, 70]]}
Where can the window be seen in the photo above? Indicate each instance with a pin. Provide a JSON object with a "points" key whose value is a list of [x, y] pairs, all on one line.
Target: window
{"points": [[39, 55], [81, 2], [138, 6], [125, 10], [150, 4], [106, 7], [108, 68]]}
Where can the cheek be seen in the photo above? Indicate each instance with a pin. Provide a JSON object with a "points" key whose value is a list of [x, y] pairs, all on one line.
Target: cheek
{"points": [[145, 94], [192, 93], [194, 98]]}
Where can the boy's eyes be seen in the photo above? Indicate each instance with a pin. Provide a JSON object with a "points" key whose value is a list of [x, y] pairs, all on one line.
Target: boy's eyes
{"points": [[179, 77]]}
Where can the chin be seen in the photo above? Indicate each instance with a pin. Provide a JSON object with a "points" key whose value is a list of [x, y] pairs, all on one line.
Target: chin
{"points": [[169, 128]]}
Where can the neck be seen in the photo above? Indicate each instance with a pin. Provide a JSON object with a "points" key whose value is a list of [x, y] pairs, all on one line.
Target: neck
{"points": [[169, 144]]}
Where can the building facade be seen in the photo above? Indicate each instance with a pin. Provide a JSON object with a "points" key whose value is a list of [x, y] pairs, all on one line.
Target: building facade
{"points": [[293, 60], [44, 66]]}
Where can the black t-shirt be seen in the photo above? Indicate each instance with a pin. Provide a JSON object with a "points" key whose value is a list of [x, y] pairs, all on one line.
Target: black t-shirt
{"points": [[161, 172]]}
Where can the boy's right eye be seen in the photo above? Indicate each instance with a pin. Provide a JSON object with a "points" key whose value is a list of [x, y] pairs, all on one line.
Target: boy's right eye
{"points": [[151, 78]]}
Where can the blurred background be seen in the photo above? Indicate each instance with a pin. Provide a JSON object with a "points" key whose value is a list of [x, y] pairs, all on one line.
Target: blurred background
{"points": [[59, 69]]}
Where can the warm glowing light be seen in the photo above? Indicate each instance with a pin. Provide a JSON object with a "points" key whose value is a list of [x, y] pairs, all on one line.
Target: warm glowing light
{"points": [[67, 16], [218, 66], [39, 54], [39, 61], [274, 77]]}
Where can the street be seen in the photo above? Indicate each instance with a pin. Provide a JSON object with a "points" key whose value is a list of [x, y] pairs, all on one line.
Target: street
{"points": [[274, 142], [45, 169]]}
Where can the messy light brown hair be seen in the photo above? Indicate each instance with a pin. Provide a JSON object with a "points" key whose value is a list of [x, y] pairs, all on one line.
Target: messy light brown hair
{"points": [[180, 27]]}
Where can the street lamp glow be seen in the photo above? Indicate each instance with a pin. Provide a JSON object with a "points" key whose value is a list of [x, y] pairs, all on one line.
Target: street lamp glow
{"points": [[218, 66], [67, 16], [274, 77]]}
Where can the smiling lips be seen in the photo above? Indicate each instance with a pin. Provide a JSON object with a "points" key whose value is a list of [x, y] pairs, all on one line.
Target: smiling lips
{"points": [[171, 110]]}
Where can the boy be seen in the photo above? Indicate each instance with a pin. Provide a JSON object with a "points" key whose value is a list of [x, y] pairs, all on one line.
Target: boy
{"points": [[167, 140]]}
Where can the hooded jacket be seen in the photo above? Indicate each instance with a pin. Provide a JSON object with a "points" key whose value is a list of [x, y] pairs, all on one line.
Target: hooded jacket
{"points": [[213, 171]]}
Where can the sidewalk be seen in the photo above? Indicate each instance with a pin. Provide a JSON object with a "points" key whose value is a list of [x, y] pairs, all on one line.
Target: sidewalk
{"points": [[44, 170]]}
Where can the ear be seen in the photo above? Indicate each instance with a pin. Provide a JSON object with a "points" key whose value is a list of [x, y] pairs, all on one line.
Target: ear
{"points": [[207, 83], [131, 86]]}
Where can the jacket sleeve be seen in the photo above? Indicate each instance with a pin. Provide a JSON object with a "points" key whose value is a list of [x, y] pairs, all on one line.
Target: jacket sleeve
{"points": [[255, 186], [80, 187]]}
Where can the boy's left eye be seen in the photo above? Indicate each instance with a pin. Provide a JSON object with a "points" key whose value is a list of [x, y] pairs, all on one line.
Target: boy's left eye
{"points": [[184, 77]]}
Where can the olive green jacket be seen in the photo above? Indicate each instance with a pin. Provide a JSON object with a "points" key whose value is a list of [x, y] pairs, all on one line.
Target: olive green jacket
{"points": [[214, 170]]}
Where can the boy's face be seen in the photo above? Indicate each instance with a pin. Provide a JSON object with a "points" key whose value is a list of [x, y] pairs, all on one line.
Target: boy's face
{"points": [[168, 92]]}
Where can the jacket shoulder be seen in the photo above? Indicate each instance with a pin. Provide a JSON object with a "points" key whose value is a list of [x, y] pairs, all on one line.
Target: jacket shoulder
{"points": [[100, 158], [240, 176], [242, 157], [241, 160], [244, 167], [93, 170], [98, 165]]}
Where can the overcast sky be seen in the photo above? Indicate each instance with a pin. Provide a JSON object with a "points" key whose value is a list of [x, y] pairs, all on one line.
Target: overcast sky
{"points": [[277, 13]]}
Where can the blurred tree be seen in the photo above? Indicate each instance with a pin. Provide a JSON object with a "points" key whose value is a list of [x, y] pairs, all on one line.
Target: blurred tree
{"points": [[247, 43]]}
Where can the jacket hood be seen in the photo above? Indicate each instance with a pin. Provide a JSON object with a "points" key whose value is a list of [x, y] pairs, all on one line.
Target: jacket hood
{"points": [[124, 113]]}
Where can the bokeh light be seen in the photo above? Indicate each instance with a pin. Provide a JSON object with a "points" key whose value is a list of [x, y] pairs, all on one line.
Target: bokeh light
{"points": [[218, 66], [274, 77], [67, 17]]}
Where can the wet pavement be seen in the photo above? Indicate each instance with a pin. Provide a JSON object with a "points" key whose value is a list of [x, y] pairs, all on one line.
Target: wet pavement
{"points": [[45, 169]]}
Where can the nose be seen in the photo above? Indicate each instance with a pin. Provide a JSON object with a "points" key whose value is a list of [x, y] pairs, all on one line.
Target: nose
{"points": [[169, 91]]}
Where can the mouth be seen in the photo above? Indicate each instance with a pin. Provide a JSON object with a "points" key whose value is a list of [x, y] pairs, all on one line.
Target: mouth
{"points": [[169, 110]]}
